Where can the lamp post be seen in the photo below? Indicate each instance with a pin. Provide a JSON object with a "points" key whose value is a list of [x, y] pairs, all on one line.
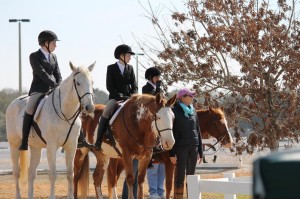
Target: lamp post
{"points": [[20, 61], [137, 67]]}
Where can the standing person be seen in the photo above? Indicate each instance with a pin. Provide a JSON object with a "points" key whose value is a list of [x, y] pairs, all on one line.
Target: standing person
{"points": [[46, 76], [188, 141], [155, 170]]}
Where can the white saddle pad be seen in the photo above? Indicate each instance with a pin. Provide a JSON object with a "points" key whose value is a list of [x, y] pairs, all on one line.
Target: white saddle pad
{"points": [[39, 108], [111, 121]]}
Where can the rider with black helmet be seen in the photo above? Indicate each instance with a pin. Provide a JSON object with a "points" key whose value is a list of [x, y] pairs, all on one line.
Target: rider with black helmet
{"points": [[46, 76], [152, 87], [120, 83]]}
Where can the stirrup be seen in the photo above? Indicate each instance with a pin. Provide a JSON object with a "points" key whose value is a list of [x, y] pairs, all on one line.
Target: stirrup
{"points": [[85, 144], [23, 147], [97, 146]]}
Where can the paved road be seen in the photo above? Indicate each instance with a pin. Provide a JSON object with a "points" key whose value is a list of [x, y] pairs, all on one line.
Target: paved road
{"points": [[6, 164]]}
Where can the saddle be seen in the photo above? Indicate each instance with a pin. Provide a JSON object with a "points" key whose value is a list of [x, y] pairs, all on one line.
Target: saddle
{"points": [[108, 136], [40, 104]]}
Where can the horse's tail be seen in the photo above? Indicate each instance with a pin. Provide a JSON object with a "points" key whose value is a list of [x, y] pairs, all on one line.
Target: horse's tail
{"points": [[24, 163], [83, 182]]}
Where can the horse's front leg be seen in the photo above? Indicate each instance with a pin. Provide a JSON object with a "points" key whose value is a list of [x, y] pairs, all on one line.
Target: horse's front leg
{"points": [[51, 157], [99, 173], [69, 156], [79, 160], [15, 154], [141, 176], [128, 165], [112, 177], [169, 171], [35, 156]]}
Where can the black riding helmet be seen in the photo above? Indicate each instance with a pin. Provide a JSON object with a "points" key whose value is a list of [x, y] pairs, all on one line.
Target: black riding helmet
{"points": [[47, 36], [121, 49], [151, 72]]}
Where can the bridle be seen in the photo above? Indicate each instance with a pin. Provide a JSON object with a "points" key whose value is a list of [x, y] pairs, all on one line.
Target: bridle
{"points": [[218, 140], [158, 130], [77, 112], [156, 126]]}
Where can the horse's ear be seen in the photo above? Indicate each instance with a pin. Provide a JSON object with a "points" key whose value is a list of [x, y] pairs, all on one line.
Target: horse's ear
{"points": [[171, 101], [222, 108], [91, 67], [72, 66], [159, 99], [210, 109]]}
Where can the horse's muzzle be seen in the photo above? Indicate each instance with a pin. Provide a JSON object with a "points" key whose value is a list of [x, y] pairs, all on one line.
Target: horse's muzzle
{"points": [[167, 145], [89, 109]]}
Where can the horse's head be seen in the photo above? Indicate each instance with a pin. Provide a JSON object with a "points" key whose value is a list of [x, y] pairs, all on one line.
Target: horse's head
{"points": [[213, 122], [83, 85], [163, 122]]}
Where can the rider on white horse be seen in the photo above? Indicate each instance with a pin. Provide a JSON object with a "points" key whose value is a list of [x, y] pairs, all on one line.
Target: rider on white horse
{"points": [[46, 76]]}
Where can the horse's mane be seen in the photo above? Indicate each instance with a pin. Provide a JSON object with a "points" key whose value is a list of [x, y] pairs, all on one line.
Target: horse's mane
{"points": [[143, 98], [80, 69], [146, 98], [217, 112]]}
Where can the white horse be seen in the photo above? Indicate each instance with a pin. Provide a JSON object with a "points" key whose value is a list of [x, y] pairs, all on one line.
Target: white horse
{"points": [[59, 126]]}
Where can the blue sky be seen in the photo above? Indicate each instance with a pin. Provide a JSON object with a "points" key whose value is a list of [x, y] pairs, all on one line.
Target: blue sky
{"points": [[89, 31]]}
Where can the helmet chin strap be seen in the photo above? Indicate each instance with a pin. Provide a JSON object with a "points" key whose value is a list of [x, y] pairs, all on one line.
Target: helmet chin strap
{"points": [[47, 46], [123, 61]]}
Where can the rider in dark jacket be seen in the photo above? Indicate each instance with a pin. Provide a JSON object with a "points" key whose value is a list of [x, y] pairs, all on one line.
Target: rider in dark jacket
{"points": [[46, 76], [120, 83], [153, 84]]}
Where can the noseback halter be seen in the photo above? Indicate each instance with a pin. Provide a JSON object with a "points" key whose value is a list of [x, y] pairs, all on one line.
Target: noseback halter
{"points": [[160, 130]]}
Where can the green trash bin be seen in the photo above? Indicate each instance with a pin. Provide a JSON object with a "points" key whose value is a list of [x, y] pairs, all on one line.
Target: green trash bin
{"points": [[277, 176]]}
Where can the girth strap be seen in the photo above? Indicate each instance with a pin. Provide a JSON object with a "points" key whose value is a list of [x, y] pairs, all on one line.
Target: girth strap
{"points": [[38, 131]]}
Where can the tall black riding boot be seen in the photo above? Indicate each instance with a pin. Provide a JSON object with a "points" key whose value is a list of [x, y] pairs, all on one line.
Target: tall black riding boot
{"points": [[27, 122], [82, 141], [101, 129]]}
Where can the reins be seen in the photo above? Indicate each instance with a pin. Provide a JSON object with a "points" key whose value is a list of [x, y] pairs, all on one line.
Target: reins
{"points": [[77, 112], [140, 145], [218, 141], [213, 146]]}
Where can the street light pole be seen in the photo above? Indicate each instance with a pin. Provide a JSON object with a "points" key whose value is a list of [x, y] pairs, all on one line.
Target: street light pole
{"points": [[20, 55], [137, 67]]}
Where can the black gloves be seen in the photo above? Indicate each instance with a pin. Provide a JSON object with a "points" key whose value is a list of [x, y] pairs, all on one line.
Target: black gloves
{"points": [[158, 83], [125, 98]]}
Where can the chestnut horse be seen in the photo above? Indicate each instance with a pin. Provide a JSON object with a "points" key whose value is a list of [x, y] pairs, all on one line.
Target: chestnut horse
{"points": [[212, 122], [142, 119]]}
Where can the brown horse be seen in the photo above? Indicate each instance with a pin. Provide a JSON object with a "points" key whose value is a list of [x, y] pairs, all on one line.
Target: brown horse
{"points": [[212, 123], [142, 119]]}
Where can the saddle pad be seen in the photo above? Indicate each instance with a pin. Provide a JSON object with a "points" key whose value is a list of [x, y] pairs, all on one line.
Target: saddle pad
{"points": [[111, 121], [39, 108]]}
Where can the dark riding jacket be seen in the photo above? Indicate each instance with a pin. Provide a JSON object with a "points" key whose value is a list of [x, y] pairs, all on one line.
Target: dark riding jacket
{"points": [[149, 89], [120, 86], [45, 75], [186, 130]]}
